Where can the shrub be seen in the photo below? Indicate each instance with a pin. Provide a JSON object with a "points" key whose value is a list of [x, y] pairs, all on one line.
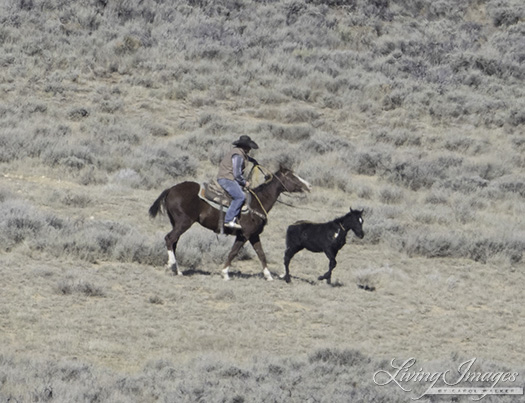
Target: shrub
{"points": [[391, 195], [135, 247], [327, 171], [21, 222], [76, 200], [323, 143], [512, 184], [504, 15], [465, 184], [381, 226], [126, 177], [434, 244], [397, 137], [347, 358], [291, 133], [163, 161], [85, 288], [71, 155]]}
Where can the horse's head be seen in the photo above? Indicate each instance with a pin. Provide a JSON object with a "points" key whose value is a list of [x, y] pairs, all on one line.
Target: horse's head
{"points": [[354, 221], [292, 182]]}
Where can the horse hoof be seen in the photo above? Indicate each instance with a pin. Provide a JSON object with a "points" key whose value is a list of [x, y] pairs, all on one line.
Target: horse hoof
{"points": [[287, 279], [267, 275], [174, 269]]}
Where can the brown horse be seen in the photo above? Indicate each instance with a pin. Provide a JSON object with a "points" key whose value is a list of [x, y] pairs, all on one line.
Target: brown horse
{"points": [[184, 207]]}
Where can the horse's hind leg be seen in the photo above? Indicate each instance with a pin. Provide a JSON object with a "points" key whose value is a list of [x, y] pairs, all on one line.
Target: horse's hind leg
{"points": [[171, 243], [288, 255]]}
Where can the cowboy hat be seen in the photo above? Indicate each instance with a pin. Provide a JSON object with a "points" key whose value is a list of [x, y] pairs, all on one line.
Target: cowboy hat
{"points": [[246, 141]]}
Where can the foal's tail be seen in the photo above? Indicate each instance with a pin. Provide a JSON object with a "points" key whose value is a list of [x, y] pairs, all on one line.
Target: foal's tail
{"points": [[159, 204]]}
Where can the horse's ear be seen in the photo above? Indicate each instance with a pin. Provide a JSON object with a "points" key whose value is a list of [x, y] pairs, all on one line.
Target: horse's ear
{"points": [[351, 209], [286, 163]]}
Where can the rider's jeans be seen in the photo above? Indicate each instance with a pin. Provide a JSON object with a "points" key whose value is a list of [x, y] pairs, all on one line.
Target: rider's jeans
{"points": [[235, 191]]}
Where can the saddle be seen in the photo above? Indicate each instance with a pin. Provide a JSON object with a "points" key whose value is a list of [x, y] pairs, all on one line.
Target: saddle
{"points": [[216, 196]]}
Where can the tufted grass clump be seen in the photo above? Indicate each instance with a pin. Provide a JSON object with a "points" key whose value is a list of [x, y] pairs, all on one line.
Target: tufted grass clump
{"points": [[87, 289]]}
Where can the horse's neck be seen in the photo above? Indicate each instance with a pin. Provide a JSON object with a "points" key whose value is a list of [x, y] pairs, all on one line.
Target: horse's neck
{"points": [[269, 193], [342, 224]]}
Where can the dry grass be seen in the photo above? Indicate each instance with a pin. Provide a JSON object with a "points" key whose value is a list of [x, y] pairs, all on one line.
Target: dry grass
{"points": [[115, 318]]}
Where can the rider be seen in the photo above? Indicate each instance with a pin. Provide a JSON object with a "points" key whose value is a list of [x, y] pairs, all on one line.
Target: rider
{"points": [[231, 177]]}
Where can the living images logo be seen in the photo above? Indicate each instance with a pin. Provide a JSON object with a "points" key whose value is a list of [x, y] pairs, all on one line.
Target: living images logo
{"points": [[463, 381]]}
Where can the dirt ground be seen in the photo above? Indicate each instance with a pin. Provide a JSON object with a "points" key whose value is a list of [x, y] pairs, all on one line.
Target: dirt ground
{"points": [[121, 316]]}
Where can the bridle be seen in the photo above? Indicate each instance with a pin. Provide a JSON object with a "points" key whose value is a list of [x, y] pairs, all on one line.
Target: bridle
{"points": [[271, 176]]}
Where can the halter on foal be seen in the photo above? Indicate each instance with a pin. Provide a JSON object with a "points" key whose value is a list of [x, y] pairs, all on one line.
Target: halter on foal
{"points": [[184, 207]]}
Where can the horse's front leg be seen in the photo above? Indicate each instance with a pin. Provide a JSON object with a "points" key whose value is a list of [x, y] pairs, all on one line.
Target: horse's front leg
{"points": [[237, 245], [328, 275], [257, 246]]}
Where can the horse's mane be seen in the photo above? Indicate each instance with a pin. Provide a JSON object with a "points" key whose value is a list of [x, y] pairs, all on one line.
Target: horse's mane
{"points": [[261, 188]]}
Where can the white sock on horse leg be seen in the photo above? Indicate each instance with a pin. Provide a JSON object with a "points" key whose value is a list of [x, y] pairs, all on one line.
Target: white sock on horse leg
{"points": [[172, 262]]}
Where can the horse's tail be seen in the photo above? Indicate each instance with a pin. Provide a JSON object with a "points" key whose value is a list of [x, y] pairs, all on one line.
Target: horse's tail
{"points": [[159, 204]]}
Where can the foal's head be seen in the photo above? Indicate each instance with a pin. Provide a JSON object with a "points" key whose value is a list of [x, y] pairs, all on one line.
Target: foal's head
{"points": [[354, 221]]}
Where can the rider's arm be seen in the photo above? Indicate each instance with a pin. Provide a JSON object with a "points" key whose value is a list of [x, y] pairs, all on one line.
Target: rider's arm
{"points": [[237, 169], [252, 160]]}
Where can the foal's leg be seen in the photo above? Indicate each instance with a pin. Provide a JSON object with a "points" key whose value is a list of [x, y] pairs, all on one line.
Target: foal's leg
{"points": [[237, 245], [289, 253], [328, 275], [256, 243], [179, 228]]}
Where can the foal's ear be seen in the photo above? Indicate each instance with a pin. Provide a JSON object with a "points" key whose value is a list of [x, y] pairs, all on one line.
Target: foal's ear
{"points": [[357, 211]]}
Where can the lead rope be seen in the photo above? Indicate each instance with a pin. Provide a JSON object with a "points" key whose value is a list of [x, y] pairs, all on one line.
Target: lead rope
{"points": [[260, 204], [265, 217]]}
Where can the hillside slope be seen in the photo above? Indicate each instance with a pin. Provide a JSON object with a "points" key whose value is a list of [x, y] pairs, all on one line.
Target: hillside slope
{"points": [[411, 110]]}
